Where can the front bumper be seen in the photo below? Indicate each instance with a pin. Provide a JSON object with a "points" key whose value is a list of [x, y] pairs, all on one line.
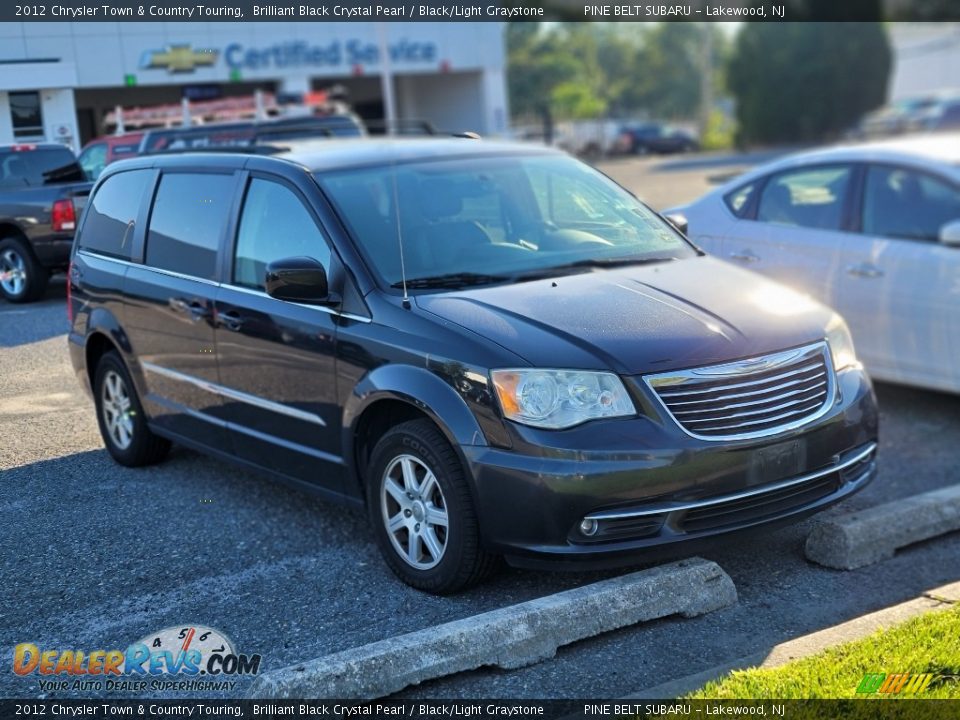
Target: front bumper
{"points": [[654, 490]]}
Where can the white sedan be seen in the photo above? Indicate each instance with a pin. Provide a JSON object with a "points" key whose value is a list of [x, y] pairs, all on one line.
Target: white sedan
{"points": [[872, 230]]}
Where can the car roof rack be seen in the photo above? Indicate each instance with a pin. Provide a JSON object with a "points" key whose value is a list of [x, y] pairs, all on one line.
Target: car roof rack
{"points": [[382, 126], [252, 149], [405, 127]]}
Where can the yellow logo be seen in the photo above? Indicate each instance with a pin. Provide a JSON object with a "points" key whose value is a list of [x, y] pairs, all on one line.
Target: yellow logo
{"points": [[178, 58]]}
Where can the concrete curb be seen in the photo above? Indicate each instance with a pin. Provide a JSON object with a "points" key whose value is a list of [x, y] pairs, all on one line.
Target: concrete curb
{"points": [[875, 534], [510, 637], [939, 599]]}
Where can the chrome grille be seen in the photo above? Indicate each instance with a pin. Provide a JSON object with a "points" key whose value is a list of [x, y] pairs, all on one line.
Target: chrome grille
{"points": [[749, 398]]}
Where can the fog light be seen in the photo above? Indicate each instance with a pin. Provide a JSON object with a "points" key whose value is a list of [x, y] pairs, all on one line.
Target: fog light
{"points": [[589, 527]]}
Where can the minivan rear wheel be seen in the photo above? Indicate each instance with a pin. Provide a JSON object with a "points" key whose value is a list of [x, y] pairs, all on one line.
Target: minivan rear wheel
{"points": [[422, 513], [22, 277], [123, 425]]}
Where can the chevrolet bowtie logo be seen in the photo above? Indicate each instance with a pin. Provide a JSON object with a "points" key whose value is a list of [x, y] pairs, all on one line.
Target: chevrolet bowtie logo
{"points": [[178, 58]]}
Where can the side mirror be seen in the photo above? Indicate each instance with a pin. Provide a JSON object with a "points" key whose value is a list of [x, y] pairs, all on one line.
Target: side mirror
{"points": [[678, 221], [950, 234], [299, 279]]}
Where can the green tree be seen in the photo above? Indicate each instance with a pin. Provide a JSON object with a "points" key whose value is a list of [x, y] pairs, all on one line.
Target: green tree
{"points": [[583, 70], [803, 82]]}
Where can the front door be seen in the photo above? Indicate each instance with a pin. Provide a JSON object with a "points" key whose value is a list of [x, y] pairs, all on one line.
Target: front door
{"points": [[276, 358], [798, 231]]}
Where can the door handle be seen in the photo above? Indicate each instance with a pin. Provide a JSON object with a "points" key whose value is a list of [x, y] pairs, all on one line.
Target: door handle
{"points": [[231, 320], [864, 270], [198, 311], [746, 256]]}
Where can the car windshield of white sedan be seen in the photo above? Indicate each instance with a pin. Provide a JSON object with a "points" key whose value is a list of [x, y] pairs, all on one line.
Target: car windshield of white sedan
{"points": [[478, 221]]}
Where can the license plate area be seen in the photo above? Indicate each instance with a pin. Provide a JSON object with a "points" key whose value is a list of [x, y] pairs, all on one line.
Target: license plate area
{"points": [[777, 462]]}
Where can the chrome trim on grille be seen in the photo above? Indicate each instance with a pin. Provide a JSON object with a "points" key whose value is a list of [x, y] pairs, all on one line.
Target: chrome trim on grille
{"points": [[238, 395], [697, 399], [663, 508]]}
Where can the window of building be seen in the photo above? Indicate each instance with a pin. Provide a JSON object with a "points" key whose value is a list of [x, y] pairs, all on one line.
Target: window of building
{"points": [[25, 115]]}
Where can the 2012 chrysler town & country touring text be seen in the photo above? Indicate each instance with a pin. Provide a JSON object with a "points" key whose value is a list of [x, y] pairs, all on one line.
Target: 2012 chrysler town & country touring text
{"points": [[495, 348]]}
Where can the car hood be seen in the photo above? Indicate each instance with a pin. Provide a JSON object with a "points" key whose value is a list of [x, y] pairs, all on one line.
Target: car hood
{"points": [[637, 319]]}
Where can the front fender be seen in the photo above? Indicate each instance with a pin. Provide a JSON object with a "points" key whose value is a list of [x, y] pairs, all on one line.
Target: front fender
{"points": [[420, 388]]}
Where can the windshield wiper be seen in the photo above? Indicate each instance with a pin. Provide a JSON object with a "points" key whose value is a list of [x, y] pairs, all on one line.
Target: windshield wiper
{"points": [[590, 263], [451, 280]]}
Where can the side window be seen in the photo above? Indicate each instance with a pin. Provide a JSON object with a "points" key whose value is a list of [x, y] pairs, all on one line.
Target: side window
{"points": [[274, 224], [739, 200], [108, 228], [901, 203], [93, 160], [189, 213], [811, 197]]}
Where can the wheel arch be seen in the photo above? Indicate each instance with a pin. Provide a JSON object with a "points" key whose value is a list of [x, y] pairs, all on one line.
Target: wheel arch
{"points": [[393, 394], [9, 229], [104, 334]]}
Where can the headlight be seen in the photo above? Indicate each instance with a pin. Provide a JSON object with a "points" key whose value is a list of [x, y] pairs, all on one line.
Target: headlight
{"points": [[841, 344], [560, 398]]}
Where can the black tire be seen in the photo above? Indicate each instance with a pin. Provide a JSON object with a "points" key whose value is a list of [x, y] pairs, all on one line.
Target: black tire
{"points": [[16, 256], [463, 562], [143, 448]]}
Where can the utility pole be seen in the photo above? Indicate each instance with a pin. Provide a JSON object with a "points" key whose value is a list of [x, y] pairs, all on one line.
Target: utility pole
{"points": [[706, 79], [386, 80]]}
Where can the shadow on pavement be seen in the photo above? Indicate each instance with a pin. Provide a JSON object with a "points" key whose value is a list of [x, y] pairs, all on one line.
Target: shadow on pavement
{"points": [[23, 323]]}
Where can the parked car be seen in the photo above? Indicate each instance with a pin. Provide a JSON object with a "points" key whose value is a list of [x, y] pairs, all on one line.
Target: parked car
{"points": [[246, 134], [42, 193], [651, 137], [872, 230], [101, 151], [492, 346], [894, 119], [942, 115]]}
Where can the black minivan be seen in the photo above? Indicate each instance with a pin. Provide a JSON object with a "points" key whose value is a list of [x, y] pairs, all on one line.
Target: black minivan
{"points": [[496, 349]]}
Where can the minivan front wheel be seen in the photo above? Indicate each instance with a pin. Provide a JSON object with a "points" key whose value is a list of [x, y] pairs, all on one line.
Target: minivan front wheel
{"points": [[123, 425], [422, 512]]}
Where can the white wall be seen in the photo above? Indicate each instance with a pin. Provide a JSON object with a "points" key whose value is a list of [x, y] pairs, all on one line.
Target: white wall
{"points": [[459, 84], [926, 58], [451, 102], [59, 118]]}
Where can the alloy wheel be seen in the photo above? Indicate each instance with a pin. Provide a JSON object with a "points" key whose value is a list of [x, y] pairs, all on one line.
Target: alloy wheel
{"points": [[414, 512], [13, 272], [117, 410]]}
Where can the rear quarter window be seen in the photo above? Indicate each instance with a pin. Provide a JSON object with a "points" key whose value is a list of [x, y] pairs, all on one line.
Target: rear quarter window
{"points": [[187, 221], [111, 217], [739, 200]]}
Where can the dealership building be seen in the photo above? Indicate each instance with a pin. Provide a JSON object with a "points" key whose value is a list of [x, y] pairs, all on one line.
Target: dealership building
{"points": [[60, 81]]}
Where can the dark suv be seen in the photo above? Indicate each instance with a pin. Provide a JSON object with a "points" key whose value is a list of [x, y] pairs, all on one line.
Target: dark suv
{"points": [[493, 347]]}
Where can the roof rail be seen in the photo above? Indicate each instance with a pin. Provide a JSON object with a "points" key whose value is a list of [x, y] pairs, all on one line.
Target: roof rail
{"points": [[382, 126], [260, 149], [288, 128]]}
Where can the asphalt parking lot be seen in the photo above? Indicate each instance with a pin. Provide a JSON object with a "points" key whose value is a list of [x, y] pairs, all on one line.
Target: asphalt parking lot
{"points": [[97, 556]]}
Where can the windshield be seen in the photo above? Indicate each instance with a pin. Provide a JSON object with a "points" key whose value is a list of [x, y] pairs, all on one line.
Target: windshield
{"points": [[490, 219]]}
